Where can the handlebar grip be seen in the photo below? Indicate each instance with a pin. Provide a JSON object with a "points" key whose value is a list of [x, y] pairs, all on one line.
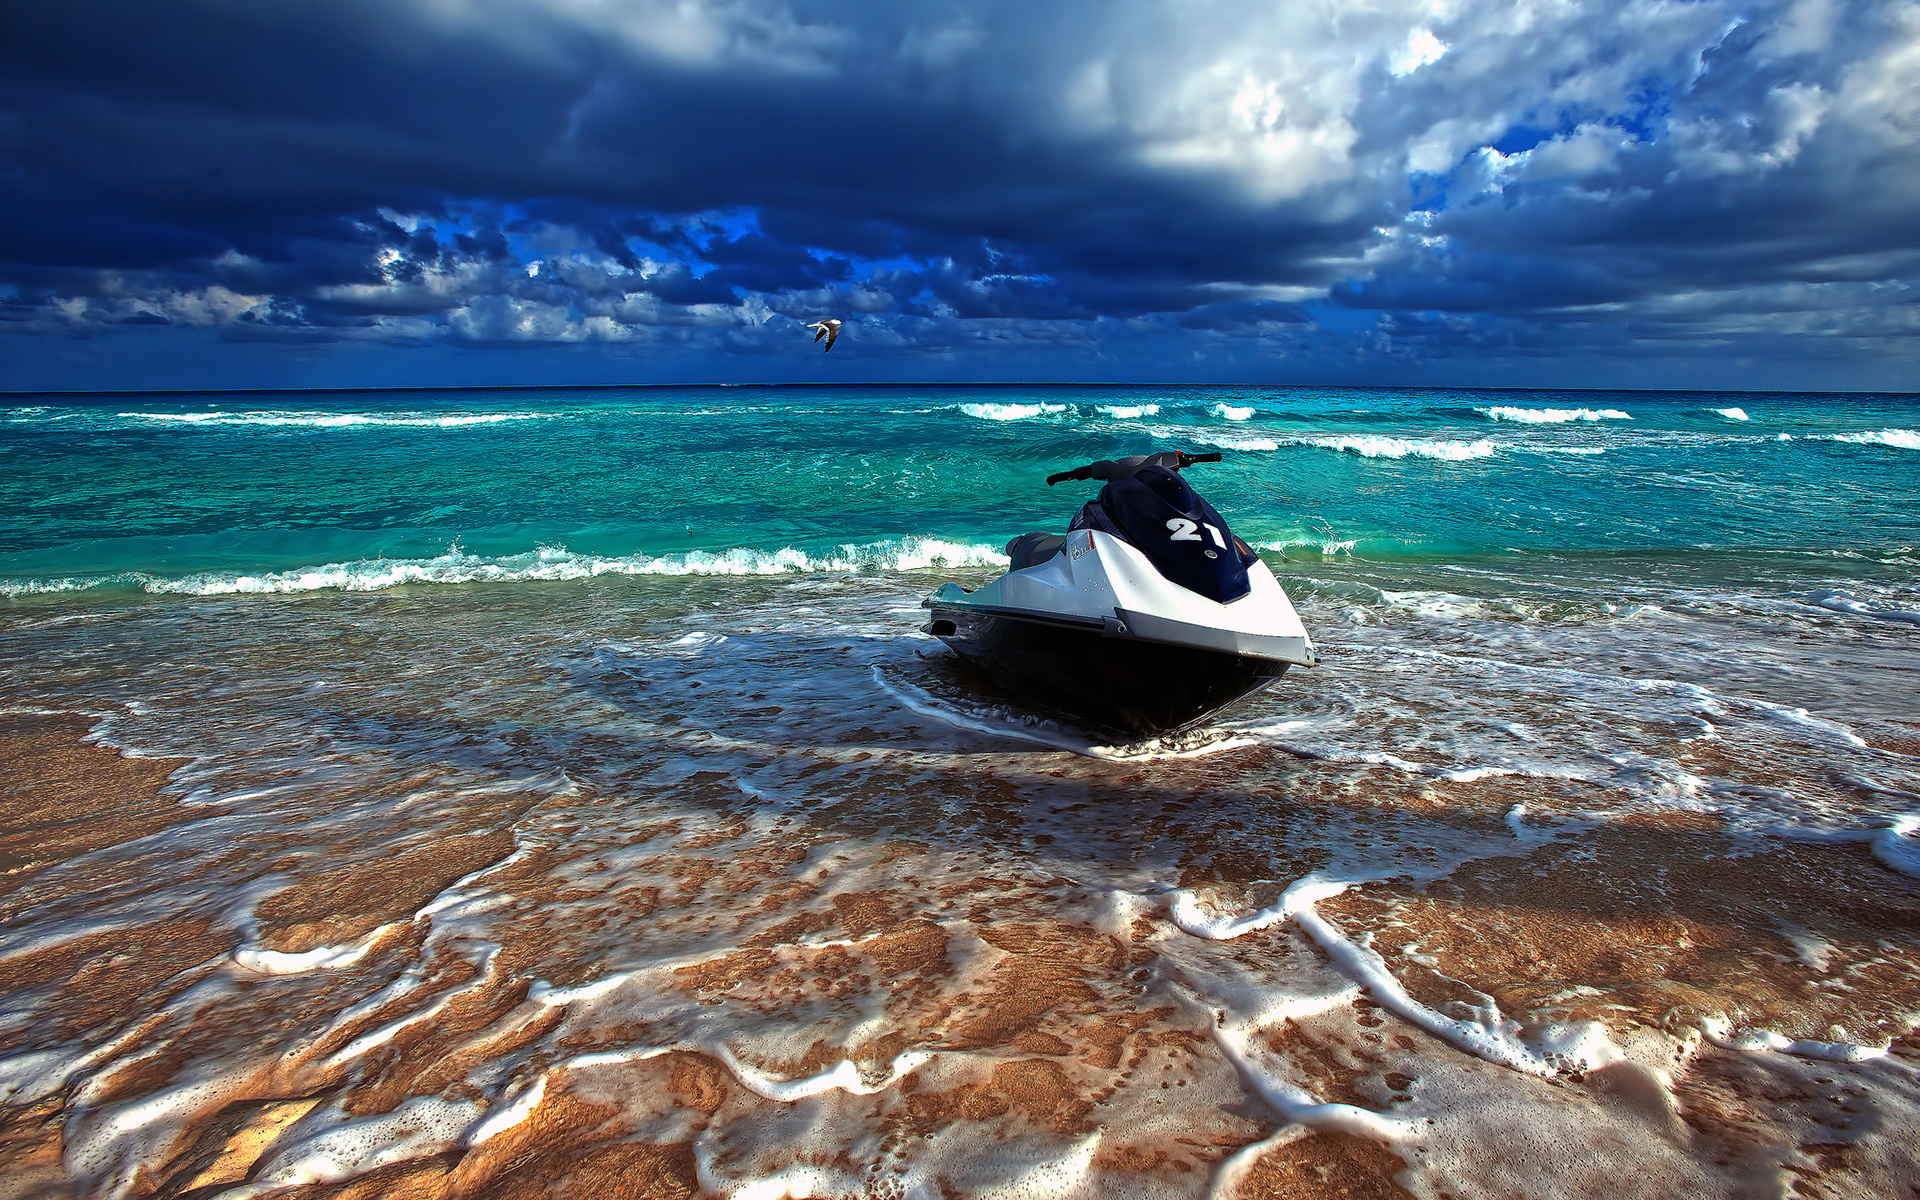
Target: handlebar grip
{"points": [[1076, 473], [1187, 460]]}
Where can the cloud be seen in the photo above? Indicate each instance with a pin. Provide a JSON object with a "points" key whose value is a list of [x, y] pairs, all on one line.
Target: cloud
{"points": [[1643, 177]]}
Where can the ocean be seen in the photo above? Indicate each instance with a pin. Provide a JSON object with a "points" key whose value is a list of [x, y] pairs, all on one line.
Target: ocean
{"points": [[550, 788]]}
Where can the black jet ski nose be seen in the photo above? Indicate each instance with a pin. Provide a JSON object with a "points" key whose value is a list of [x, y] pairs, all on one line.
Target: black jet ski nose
{"points": [[1157, 513]]}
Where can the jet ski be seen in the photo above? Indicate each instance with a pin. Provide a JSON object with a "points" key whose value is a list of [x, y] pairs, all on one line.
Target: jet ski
{"points": [[1148, 616]]}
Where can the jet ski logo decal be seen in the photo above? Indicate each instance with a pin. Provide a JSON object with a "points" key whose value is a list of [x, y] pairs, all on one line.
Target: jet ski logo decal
{"points": [[1082, 545]]}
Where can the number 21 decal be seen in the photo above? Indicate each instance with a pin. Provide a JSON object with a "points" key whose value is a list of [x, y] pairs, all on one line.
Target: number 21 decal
{"points": [[1184, 530]]}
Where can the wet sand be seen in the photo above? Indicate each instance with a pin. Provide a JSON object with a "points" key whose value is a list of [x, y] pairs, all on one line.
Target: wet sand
{"points": [[1045, 1025]]}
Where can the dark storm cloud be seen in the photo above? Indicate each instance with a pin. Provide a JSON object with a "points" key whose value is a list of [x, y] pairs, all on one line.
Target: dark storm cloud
{"points": [[955, 178]]}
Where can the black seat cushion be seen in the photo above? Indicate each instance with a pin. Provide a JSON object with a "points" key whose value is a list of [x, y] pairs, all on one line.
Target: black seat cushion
{"points": [[1032, 549]]}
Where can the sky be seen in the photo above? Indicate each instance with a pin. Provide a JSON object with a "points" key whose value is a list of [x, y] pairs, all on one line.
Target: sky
{"points": [[1527, 193]]}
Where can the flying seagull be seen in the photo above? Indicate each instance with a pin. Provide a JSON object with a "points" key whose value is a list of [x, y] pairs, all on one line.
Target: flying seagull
{"points": [[828, 329]]}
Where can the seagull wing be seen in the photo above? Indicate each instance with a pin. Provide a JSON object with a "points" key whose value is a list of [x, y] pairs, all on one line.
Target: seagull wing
{"points": [[833, 335], [819, 330]]}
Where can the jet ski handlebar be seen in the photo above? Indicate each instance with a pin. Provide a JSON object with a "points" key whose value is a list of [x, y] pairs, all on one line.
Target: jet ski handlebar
{"points": [[1111, 469]]}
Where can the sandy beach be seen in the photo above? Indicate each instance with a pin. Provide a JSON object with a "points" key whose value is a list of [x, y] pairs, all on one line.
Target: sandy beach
{"points": [[904, 1011]]}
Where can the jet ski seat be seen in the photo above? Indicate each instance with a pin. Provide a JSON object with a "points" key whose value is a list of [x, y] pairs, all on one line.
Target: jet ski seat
{"points": [[1032, 549]]}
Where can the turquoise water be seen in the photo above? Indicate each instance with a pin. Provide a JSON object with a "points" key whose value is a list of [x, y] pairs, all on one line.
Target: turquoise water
{"points": [[292, 491]]}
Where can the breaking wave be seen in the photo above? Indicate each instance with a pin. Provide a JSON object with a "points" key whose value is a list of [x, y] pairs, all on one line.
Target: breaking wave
{"points": [[1381, 446], [1733, 414], [1233, 412], [1127, 412], [1844, 602], [1230, 442], [1011, 412], [1552, 416], [1906, 439], [1370, 445], [317, 420], [546, 564]]}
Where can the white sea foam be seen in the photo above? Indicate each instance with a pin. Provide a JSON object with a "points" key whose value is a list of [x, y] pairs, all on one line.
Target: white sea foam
{"points": [[1485, 1032], [1233, 412], [546, 565], [1365, 445], [317, 420], [1721, 1034], [1325, 545], [1894, 840], [1186, 912], [1553, 416], [1127, 412], [1905, 439], [1838, 601], [844, 1076], [1010, 412], [417, 1128], [1380, 446], [1231, 442], [1732, 414], [507, 1115], [320, 958]]}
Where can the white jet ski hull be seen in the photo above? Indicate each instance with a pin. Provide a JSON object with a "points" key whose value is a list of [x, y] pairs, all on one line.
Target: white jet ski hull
{"points": [[1098, 631]]}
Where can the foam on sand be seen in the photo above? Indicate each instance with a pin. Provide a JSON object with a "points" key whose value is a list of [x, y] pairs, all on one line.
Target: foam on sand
{"points": [[752, 892]]}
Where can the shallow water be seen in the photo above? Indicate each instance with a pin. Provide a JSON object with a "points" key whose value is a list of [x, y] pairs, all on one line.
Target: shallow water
{"points": [[665, 839]]}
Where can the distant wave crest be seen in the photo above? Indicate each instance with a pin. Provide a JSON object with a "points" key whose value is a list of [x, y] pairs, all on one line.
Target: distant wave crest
{"points": [[1733, 414], [1225, 441], [1127, 412], [1381, 446], [1906, 439], [1553, 416], [1011, 412], [1365, 445], [1233, 412], [319, 420], [545, 564]]}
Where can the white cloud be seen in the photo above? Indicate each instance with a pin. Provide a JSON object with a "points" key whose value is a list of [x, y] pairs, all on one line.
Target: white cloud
{"points": [[1592, 149], [1880, 91], [1422, 48], [1805, 28]]}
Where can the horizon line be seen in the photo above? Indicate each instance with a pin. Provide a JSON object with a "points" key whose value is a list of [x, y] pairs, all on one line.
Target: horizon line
{"points": [[7, 394]]}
